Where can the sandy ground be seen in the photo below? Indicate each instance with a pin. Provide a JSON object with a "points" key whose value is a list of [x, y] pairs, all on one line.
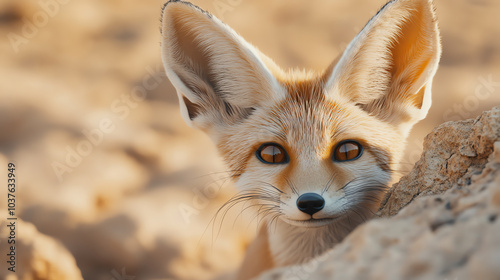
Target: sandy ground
{"points": [[142, 190]]}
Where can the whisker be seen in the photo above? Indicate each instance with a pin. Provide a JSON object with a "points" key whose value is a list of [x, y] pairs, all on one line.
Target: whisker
{"points": [[274, 219], [292, 187], [267, 208], [329, 184], [244, 196], [233, 172], [270, 185]]}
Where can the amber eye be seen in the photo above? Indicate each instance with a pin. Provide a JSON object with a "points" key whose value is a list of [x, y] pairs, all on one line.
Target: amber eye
{"points": [[347, 150], [272, 153]]}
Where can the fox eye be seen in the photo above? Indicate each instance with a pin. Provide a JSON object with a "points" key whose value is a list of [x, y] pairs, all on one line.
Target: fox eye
{"points": [[347, 150], [272, 153]]}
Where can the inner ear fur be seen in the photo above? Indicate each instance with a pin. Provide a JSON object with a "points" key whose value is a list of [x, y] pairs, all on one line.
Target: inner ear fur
{"points": [[388, 68], [219, 77]]}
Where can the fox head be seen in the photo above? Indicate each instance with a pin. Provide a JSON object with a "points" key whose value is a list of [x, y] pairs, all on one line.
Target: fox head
{"points": [[313, 150]]}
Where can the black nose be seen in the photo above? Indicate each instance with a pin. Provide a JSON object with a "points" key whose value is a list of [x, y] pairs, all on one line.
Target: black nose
{"points": [[310, 203]]}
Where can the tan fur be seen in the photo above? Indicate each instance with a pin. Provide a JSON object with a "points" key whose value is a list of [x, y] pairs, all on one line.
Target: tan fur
{"points": [[373, 94], [258, 257]]}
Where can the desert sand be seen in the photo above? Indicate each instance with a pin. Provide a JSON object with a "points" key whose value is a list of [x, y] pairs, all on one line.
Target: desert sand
{"points": [[121, 183]]}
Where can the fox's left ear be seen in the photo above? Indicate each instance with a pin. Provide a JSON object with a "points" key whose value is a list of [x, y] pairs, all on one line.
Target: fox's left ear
{"points": [[388, 68]]}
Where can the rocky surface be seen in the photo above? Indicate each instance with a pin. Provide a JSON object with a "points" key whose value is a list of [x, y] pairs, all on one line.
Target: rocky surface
{"points": [[453, 153], [38, 256], [446, 221]]}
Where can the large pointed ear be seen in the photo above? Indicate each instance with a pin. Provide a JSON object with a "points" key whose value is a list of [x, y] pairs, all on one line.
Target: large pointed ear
{"points": [[220, 79], [388, 68]]}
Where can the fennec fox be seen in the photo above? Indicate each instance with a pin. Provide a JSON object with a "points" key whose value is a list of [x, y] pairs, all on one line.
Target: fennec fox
{"points": [[317, 152]]}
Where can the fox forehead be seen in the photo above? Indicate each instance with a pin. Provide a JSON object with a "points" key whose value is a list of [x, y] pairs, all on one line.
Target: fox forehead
{"points": [[308, 124]]}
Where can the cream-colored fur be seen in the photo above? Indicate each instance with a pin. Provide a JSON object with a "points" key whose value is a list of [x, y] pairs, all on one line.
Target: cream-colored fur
{"points": [[373, 94]]}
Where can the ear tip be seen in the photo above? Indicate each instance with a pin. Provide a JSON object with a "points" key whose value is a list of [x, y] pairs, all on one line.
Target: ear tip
{"points": [[428, 3], [164, 12], [169, 5], [166, 4], [181, 4], [173, 6]]}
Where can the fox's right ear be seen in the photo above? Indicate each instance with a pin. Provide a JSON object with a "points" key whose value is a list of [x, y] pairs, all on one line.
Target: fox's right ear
{"points": [[220, 78]]}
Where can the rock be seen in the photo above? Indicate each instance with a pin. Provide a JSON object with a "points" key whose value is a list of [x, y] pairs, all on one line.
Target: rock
{"points": [[38, 256], [453, 153], [441, 221]]}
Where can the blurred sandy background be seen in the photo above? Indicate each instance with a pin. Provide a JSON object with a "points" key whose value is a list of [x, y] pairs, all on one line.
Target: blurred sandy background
{"points": [[121, 181]]}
